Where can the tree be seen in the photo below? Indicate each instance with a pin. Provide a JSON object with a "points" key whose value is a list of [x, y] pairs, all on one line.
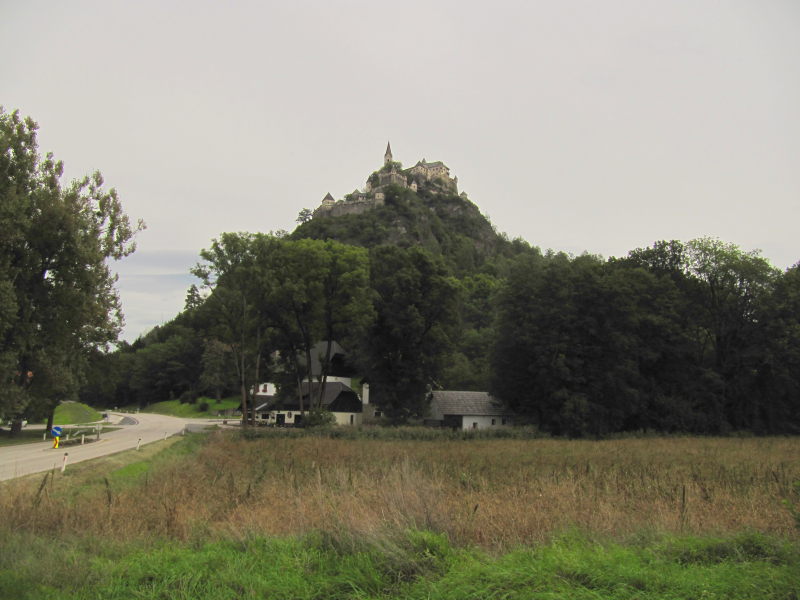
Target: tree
{"points": [[315, 291], [304, 216], [416, 309], [234, 308], [57, 296], [732, 288]]}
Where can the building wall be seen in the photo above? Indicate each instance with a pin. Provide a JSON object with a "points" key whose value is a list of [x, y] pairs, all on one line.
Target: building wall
{"points": [[348, 418], [271, 417], [483, 422]]}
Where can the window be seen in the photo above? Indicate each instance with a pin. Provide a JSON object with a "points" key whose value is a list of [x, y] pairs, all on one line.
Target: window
{"points": [[493, 421], [474, 425]]}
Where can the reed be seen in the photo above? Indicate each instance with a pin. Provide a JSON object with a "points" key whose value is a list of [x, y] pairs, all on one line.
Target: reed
{"points": [[495, 494]]}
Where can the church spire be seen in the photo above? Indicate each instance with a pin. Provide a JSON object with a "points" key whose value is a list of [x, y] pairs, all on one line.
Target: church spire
{"points": [[387, 158]]}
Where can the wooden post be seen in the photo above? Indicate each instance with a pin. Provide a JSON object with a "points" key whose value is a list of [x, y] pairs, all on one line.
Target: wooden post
{"points": [[64, 464], [139, 443], [83, 438]]}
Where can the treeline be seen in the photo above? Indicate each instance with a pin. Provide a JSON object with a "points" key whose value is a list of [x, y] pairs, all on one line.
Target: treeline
{"points": [[696, 337]]}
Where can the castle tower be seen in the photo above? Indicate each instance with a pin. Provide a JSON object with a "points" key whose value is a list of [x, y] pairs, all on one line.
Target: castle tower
{"points": [[387, 158]]}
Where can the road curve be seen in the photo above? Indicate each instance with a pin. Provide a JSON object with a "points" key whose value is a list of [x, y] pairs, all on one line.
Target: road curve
{"points": [[24, 459]]}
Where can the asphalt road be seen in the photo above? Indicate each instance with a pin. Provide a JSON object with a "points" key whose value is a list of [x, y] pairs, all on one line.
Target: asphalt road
{"points": [[24, 459]]}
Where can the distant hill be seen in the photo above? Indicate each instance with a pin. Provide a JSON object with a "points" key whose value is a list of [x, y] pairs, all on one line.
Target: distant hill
{"points": [[433, 216]]}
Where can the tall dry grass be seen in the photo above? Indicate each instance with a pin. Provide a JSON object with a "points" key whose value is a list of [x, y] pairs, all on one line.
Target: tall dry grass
{"points": [[495, 494]]}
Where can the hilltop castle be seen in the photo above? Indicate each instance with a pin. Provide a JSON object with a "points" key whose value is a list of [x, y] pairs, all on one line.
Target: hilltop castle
{"points": [[392, 173]]}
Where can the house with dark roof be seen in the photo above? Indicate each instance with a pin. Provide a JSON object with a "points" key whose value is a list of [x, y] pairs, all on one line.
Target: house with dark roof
{"points": [[467, 410], [339, 399]]}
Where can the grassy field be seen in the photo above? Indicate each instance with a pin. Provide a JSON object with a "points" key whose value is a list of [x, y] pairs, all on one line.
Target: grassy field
{"points": [[176, 409], [220, 516], [68, 413]]}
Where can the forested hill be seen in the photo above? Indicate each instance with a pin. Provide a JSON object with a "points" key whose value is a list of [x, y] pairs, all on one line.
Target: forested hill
{"points": [[439, 221]]}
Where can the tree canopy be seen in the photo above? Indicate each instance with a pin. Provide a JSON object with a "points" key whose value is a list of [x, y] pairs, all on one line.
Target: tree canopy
{"points": [[58, 300]]}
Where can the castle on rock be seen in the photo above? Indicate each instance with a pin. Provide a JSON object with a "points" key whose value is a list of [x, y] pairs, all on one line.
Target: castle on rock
{"points": [[435, 174]]}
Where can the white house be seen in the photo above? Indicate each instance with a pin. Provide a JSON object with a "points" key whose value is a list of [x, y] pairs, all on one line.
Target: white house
{"points": [[467, 410]]}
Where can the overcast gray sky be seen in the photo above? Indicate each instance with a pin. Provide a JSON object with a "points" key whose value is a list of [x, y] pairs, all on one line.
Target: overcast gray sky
{"points": [[578, 125]]}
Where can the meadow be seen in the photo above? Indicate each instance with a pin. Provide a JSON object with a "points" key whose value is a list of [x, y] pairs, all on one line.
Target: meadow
{"points": [[358, 518]]}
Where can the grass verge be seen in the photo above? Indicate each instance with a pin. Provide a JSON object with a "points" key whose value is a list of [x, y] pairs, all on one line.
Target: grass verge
{"points": [[175, 408], [415, 565], [75, 412]]}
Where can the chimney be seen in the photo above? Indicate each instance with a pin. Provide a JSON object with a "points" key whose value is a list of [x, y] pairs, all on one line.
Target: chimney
{"points": [[365, 394]]}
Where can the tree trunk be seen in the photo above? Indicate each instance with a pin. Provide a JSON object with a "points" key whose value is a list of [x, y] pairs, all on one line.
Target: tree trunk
{"points": [[16, 427], [324, 374], [243, 384]]}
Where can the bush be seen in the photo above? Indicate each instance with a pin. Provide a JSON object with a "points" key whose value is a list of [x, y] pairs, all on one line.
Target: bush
{"points": [[319, 417], [203, 406], [188, 397]]}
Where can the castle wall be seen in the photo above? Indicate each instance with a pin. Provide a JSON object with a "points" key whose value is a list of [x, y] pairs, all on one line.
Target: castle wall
{"points": [[353, 207]]}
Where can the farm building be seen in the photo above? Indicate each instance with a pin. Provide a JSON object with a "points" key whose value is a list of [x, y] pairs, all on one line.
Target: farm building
{"points": [[467, 410]]}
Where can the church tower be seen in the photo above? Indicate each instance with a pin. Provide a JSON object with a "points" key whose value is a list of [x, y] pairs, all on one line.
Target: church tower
{"points": [[387, 158]]}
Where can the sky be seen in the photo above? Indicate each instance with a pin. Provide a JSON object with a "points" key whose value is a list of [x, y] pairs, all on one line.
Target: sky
{"points": [[577, 125]]}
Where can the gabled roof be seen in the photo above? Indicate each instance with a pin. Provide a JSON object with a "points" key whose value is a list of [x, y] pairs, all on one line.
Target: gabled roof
{"points": [[328, 197], [428, 165], [265, 405], [332, 391], [466, 403]]}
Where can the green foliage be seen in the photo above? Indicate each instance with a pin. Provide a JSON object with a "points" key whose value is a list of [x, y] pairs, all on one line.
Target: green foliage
{"points": [[416, 304], [57, 295], [675, 338], [318, 417], [439, 221]]}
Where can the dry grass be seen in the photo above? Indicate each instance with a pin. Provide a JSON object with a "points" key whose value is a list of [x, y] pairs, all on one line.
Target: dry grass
{"points": [[495, 494]]}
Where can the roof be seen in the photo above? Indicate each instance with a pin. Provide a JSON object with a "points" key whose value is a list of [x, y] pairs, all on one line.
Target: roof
{"points": [[328, 197], [269, 400], [388, 149], [427, 165], [332, 390], [466, 403]]}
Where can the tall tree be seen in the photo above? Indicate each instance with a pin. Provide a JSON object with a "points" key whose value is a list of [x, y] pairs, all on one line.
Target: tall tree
{"points": [[57, 296], [733, 285], [233, 309], [416, 309], [315, 291]]}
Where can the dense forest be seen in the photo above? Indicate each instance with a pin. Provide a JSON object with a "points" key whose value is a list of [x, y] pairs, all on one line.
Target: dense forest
{"points": [[696, 336]]}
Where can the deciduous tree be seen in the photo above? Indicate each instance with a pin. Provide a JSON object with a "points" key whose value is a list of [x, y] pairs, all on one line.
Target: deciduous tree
{"points": [[57, 294]]}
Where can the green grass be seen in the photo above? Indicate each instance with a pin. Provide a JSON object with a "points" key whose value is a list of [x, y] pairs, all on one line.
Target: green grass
{"points": [[174, 408], [30, 436], [68, 413], [219, 564], [26, 436], [421, 565]]}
